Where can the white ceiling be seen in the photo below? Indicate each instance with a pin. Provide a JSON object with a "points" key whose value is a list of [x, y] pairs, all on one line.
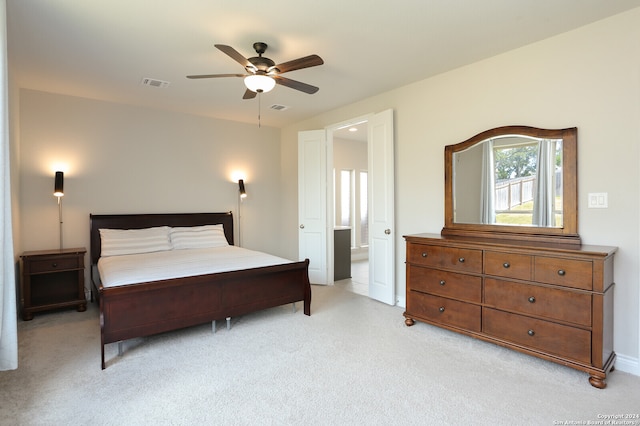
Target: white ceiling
{"points": [[102, 49]]}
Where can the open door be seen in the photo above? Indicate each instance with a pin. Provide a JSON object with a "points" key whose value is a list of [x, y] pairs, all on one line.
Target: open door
{"points": [[312, 204], [381, 208], [314, 239]]}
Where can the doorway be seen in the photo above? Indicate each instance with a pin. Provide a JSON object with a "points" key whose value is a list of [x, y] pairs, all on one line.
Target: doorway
{"points": [[350, 205], [315, 204]]}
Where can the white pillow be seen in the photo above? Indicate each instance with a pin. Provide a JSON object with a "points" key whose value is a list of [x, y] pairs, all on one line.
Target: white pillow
{"points": [[117, 242], [198, 237]]}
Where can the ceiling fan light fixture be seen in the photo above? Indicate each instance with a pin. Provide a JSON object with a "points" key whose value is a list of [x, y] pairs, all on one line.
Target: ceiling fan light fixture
{"points": [[259, 83]]}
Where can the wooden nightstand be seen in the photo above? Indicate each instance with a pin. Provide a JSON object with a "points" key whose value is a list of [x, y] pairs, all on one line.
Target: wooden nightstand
{"points": [[52, 279]]}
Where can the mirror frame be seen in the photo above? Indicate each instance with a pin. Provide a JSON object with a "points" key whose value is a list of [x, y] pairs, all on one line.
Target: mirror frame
{"points": [[567, 234]]}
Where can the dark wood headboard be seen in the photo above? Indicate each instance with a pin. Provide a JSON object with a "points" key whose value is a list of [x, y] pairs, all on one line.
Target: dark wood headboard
{"points": [[138, 221]]}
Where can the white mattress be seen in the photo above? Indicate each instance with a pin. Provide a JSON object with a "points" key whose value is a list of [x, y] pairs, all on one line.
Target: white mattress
{"points": [[137, 268]]}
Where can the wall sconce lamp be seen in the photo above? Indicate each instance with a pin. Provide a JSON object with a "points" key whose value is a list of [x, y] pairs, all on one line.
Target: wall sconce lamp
{"points": [[58, 191], [241, 190], [242, 193]]}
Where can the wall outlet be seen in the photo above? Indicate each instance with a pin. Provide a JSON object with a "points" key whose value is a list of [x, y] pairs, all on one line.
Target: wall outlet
{"points": [[598, 200]]}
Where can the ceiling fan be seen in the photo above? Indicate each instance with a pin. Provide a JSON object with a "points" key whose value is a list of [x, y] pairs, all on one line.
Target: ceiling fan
{"points": [[262, 74]]}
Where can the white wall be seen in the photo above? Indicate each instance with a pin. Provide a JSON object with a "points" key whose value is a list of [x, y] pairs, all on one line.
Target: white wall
{"points": [[588, 78], [124, 159]]}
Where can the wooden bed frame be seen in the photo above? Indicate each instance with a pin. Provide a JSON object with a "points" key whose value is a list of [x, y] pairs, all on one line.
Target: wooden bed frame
{"points": [[148, 308]]}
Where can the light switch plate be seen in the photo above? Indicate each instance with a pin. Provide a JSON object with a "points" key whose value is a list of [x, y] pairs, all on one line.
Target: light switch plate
{"points": [[598, 200]]}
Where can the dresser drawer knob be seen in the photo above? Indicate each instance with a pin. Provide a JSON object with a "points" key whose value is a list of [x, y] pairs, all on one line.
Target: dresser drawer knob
{"points": [[442, 282], [532, 299], [461, 260], [561, 272], [506, 264], [531, 333], [54, 265], [441, 309], [424, 254]]}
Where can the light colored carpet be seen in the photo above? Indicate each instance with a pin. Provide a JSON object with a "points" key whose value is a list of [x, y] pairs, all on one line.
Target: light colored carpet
{"points": [[352, 362]]}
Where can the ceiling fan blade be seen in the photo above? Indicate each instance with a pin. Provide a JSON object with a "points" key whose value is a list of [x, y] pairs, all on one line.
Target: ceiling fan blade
{"points": [[248, 94], [216, 75], [235, 55], [303, 87], [297, 64]]}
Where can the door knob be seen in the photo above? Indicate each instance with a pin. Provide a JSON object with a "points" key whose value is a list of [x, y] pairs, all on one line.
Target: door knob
{"points": [[302, 226], [387, 231]]}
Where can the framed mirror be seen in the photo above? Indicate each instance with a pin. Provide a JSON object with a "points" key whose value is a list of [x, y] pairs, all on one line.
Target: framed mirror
{"points": [[513, 182]]}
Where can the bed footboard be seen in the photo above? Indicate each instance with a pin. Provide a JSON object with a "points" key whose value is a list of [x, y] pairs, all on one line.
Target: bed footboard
{"points": [[148, 308]]}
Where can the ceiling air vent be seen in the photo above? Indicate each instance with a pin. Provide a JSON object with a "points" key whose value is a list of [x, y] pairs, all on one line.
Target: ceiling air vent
{"points": [[154, 82], [279, 107]]}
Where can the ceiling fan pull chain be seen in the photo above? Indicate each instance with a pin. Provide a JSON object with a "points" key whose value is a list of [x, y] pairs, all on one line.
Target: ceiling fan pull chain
{"points": [[259, 108]]}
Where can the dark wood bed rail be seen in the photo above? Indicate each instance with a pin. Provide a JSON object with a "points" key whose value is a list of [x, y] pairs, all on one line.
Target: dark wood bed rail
{"points": [[143, 309]]}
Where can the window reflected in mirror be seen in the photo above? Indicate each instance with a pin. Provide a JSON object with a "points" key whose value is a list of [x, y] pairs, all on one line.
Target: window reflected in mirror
{"points": [[511, 180]]}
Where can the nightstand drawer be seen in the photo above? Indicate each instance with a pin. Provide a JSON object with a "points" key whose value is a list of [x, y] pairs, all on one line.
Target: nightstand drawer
{"points": [[545, 336], [54, 264], [445, 311], [539, 301], [447, 284], [565, 272], [463, 260]]}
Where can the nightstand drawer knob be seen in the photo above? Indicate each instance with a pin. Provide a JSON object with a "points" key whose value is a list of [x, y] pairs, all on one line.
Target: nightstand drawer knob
{"points": [[561, 272], [506, 264], [54, 265], [531, 333], [441, 309], [442, 282], [532, 299], [461, 260], [424, 254]]}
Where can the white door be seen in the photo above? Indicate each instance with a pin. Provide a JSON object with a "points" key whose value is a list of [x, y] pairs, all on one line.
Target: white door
{"points": [[312, 203], [381, 208]]}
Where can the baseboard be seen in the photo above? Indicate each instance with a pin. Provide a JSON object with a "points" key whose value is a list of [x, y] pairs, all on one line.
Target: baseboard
{"points": [[628, 364]]}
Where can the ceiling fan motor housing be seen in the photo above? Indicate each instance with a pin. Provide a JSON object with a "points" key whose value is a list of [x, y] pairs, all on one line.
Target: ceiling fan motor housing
{"points": [[260, 62]]}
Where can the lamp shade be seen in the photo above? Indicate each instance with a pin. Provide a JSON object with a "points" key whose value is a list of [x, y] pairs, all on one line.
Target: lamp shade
{"points": [[58, 189], [259, 83], [241, 189]]}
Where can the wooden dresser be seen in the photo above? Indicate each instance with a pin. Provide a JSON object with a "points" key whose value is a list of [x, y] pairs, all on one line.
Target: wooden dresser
{"points": [[545, 300]]}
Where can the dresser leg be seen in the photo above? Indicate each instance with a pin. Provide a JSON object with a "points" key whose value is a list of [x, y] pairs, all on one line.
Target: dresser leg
{"points": [[409, 322], [82, 307], [598, 382]]}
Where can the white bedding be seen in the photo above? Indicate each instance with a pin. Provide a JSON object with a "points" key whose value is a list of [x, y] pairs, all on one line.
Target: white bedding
{"points": [[137, 268]]}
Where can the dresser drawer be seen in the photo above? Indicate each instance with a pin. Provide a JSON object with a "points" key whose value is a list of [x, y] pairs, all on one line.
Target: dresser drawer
{"points": [[445, 311], [545, 302], [467, 260], [565, 272], [508, 265], [54, 264], [447, 284], [545, 336]]}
